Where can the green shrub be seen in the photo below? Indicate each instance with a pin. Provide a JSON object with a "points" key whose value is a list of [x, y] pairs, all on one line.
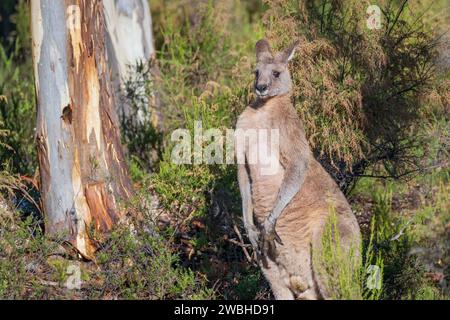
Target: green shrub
{"points": [[23, 252], [350, 273], [134, 263], [138, 264], [140, 125], [357, 90], [338, 268], [397, 237], [17, 96]]}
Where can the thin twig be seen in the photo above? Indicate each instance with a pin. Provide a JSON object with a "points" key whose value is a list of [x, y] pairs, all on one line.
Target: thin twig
{"points": [[387, 177], [401, 232], [241, 243], [399, 12], [28, 197], [49, 283]]}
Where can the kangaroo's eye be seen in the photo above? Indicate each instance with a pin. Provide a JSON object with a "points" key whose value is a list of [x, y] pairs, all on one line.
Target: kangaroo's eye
{"points": [[276, 74], [257, 73]]}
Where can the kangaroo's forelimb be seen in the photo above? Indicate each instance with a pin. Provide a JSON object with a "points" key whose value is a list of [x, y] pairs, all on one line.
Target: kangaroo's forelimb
{"points": [[293, 180], [247, 205], [294, 177]]}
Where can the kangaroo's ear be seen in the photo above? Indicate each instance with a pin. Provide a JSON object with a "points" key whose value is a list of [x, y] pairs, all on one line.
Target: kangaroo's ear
{"points": [[288, 53], [263, 50]]}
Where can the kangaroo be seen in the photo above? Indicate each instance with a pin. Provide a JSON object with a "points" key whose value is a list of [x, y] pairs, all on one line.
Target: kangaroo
{"points": [[285, 209]]}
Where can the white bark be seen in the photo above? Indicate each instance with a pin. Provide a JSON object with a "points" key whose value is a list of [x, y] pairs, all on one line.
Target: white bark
{"points": [[130, 40]]}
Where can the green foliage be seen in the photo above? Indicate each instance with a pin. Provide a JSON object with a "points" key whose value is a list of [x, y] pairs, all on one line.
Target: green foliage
{"points": [[17, 97], [249, 286], [134, 263], [183, 187], [338, 267], [428, 291], [23, 251], [140, 265], [397, 240], [351, 271], [139, 117], [373, 268], [402, 272]]}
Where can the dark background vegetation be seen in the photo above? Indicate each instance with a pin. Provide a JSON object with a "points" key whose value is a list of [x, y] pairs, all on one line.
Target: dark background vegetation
{"points": [[375, 104]]}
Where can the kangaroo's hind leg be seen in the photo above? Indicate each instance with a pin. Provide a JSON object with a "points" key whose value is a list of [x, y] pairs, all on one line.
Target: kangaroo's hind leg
{"points": [[302, 278], [278, 280]]}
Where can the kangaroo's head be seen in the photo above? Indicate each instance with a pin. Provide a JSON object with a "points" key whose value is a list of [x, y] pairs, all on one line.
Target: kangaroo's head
{"points": [[272, 77]]}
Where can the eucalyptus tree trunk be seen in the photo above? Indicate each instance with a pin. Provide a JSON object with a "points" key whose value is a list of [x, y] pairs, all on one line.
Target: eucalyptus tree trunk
{"points": [[129, 43], [82, 168]]}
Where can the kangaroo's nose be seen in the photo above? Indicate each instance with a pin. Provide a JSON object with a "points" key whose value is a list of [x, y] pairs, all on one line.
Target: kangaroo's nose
{"points": [[261, 87]]}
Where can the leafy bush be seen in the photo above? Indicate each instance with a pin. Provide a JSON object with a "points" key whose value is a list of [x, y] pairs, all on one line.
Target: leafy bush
{"points": [[356, 90], [17, 96], [138, 264], [404, 241], [134, 263]]}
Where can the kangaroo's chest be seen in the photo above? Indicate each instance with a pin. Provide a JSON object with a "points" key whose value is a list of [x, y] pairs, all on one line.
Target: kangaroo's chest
{"points": [[262, 156]]}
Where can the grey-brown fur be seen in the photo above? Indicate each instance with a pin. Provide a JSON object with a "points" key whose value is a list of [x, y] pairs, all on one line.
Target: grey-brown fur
{"points": [[285, 213]]}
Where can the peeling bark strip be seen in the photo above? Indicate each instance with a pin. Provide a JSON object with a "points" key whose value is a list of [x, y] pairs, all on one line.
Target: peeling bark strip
{"points": [[83, 172]]}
